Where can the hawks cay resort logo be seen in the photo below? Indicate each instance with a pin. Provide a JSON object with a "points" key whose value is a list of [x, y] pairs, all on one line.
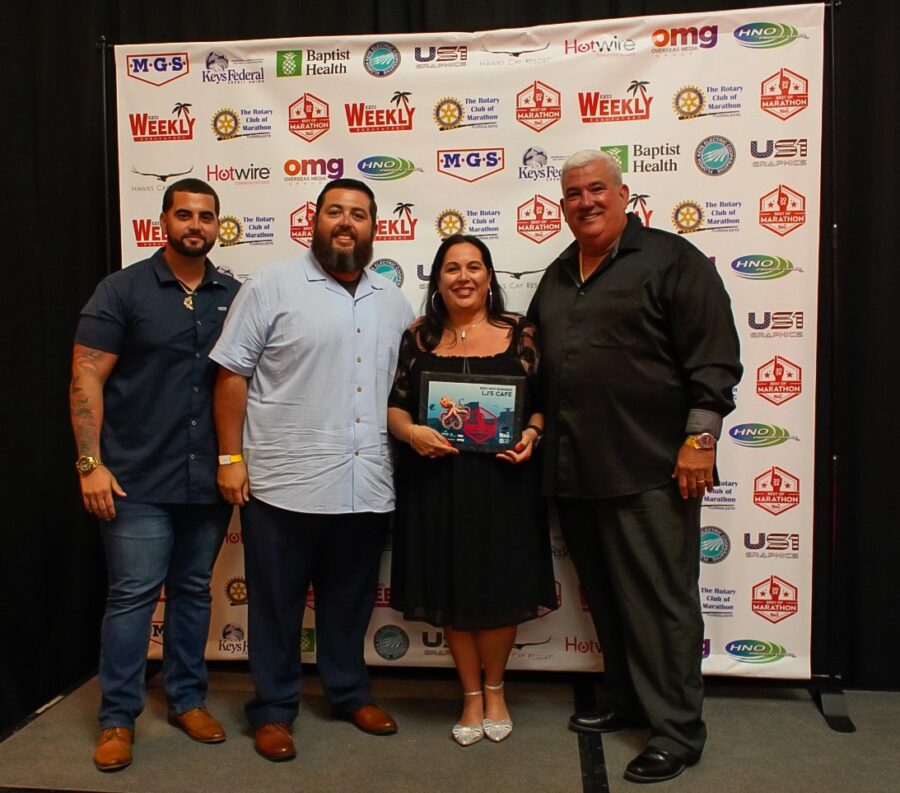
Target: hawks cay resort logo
{"points": [[762, 267], [766, 35], [158, 68], [220, 69], [597, 107], [396, 117], [147, 127], [310, 62]]}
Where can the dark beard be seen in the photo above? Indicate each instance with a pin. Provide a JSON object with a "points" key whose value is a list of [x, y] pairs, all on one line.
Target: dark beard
{"points": [[337, 261], [185, 250]]}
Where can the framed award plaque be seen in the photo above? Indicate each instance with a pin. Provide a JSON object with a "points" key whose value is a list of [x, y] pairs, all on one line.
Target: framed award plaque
{"points": [[476, 413]]}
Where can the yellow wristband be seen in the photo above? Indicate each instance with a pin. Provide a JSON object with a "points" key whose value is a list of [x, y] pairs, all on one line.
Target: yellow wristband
{"points": [[228, 459]]}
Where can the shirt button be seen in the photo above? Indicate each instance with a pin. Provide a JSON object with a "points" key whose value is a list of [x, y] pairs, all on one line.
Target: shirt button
{"points": [[359, 330], [359, 388], [358, 419], [193, 422], [199, 322], [196, 354], [356, 453], [196, 388], [359, 359], [193, 456]]}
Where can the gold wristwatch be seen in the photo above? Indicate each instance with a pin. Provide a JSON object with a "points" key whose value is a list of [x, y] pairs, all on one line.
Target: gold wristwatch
{"points": [[85, 464], [704, 440]]}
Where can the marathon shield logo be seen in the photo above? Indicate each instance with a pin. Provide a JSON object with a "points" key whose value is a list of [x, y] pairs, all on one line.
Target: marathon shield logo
{"points": [[158, 68], [774, 599], [784, 94], [302, 220], [538, 106], [470, 165], [765, 35], [756, 651], [538, 219], [782, 210], [385, 168], [776, 491], [779, 380], [146, 127], [761, 267], [308, 117], [714, 544], [758, 436], [599, 108]]}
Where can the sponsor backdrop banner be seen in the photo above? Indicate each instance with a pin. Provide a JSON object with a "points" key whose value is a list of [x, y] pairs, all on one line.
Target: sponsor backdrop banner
{"points": [[716, 121]]}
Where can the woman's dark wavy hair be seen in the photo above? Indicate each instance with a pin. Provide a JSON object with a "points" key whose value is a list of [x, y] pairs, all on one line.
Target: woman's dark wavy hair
{"points": [[435, 320]]}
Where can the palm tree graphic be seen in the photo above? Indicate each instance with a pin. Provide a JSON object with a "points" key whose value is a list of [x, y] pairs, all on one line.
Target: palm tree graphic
{"points": [[403, 209], [638, 203], [182, 109], [638, 85], [401, 96]]}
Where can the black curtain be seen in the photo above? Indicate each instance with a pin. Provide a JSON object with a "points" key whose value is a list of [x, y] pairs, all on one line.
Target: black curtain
{"points": [[52, 565]]}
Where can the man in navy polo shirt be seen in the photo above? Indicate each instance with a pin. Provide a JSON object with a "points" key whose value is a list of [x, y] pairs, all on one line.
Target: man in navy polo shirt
{"points": [[141, 404]]}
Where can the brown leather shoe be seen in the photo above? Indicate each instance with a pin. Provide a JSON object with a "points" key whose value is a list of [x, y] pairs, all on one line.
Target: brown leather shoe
{"points": [[373, 720], [199, 725], [274, 742], [113, 749]]}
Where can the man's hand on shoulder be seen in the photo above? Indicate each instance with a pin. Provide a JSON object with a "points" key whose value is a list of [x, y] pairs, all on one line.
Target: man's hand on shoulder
{"points": [[97, 490]]}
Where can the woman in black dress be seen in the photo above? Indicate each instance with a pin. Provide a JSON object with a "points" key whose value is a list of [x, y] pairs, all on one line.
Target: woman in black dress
{"points": [[471, 549]]}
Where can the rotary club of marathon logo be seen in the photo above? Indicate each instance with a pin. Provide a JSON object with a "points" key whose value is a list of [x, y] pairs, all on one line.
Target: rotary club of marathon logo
{"points": [[597, 107], [774, 599], [450, 222], [228, 124], [779, 380], [784, 94], [308, 117], [538, 106], [776, 491], [538, 219], [782, 210]]}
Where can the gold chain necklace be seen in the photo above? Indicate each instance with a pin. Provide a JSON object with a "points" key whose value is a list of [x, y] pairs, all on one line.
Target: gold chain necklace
{"points": [[189, 295]]}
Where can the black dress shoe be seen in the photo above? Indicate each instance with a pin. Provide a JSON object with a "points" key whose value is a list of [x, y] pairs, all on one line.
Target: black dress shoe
{"points": [[655, 765], [600, 721]]}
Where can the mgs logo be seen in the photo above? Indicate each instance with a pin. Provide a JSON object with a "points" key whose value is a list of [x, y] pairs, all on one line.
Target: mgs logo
{"points": [[597, 108], [774, 599], [159, 68], [784, 94], [308, 117], [538, 219], [470, 165], [776, 491], [779, 380], [538, 106], [302, 219]]}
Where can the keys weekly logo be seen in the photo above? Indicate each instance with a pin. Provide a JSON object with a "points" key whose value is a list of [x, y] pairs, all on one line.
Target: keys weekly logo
{"points": [[146, 127]]}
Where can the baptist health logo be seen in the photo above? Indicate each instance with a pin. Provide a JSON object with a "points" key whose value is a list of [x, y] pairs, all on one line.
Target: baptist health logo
{"points": [[766, 35], [755, 651]]}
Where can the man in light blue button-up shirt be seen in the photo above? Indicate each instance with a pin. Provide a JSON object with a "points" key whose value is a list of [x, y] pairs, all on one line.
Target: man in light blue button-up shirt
{"points": [[307, 359]]}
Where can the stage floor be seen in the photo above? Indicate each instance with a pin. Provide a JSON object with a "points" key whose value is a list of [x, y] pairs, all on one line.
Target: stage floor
{"points": [[760, 738]]}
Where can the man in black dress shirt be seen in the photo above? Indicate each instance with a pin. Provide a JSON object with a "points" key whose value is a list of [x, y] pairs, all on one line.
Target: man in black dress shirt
{"points": [[141, 404], [639, 362]]}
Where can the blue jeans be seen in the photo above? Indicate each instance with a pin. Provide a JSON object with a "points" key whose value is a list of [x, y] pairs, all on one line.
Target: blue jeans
{"points": [[148, 545]]}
